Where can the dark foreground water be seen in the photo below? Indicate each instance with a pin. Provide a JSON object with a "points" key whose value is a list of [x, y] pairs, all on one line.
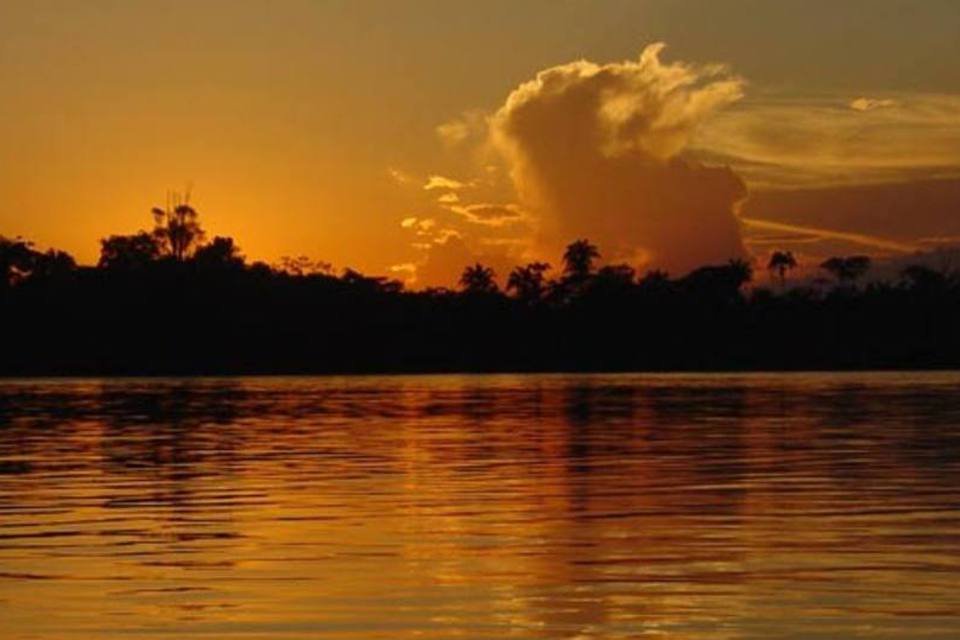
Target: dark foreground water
{"points": [[675, 506]]}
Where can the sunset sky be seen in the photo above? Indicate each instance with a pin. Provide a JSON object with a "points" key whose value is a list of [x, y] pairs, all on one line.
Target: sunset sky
{"points": [[408, 138]]}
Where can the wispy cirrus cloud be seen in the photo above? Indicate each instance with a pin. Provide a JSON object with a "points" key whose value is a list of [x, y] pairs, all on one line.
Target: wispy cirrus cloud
{"points": [[894, 216], [489, 214], [869, 104], [785, 141], [804, 234]]}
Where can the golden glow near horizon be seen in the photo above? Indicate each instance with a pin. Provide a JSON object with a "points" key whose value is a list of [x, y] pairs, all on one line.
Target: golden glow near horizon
{"points": [[410, 138]]}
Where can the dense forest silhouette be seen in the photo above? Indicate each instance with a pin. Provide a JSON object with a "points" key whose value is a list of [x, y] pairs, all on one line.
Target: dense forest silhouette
{"points": [[170, 301]]}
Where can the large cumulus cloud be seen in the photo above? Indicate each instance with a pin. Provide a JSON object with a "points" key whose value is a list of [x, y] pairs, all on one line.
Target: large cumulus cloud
{"points": [[597, 151]]}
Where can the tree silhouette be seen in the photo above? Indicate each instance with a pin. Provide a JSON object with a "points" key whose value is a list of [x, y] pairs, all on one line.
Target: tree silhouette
{"points": [[924, 279], [741, 271], [304, 266], [53, 265], [528, 282], [578, 259], [129, 252], [17, 259], [719, 282], [656, 280], [622, 274], [234, 317], [614, 280], [177, 227], [221, 253], [847, 269], [781, 262], [376, 284], [478, 279]]}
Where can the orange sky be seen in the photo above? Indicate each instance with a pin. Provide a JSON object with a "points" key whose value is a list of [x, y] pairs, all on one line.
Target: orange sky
{"points": [[314, 127]]}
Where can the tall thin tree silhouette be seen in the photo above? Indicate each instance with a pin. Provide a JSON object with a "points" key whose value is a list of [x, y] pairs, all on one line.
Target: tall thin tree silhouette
{"points": [[177, 227]]}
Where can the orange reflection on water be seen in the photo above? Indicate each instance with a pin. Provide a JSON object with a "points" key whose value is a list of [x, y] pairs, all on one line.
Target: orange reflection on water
{"points": [[787, 506]]}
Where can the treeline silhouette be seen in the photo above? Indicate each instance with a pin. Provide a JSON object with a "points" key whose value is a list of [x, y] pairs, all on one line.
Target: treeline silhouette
{"points": [[168, 301]]}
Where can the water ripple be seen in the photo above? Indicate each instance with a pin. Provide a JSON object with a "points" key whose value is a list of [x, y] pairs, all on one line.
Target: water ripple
{"points": [[558, 506]]}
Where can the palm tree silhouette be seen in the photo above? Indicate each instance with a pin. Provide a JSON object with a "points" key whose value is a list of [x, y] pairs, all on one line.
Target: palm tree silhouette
{"points": [[578, 259], [847, 269], [478, 279], [528, 282], [781, 262]]}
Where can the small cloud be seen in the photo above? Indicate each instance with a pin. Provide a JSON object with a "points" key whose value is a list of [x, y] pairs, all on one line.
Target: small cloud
{"points": [[407, 271], [420, 225], [444, 235], [406, 267], [869, 104], [398, 176], [491, 215], [504, 242], [440, 182], [453, 132], [426, 232], [469, 124], [449, 198]]}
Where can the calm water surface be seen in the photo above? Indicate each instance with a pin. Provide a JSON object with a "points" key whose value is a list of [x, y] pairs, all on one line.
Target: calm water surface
{"points": [[675, 506]]}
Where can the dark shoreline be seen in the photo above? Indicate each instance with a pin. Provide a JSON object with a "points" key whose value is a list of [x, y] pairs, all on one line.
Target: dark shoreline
{"points": [[210, 313], [313, 373]]}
